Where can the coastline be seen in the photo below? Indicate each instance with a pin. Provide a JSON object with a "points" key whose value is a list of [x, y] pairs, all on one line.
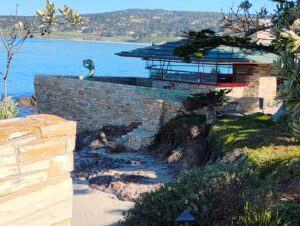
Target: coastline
{"points": [[87, 40]]}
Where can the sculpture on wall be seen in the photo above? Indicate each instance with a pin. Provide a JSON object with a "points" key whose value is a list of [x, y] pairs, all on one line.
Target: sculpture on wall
{"points": [[89, 64]]}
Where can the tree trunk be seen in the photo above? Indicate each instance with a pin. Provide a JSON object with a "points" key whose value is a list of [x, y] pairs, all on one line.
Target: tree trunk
{"points": [[5, 88], [5, 95]]}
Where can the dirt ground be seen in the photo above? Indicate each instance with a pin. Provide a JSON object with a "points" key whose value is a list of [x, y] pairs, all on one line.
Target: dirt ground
{"points": [[106, 184], [96, 208]]}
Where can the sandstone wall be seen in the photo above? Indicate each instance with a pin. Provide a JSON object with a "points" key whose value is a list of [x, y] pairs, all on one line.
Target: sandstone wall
{"points": [[122, 101], [36, 158], [94, 104]]}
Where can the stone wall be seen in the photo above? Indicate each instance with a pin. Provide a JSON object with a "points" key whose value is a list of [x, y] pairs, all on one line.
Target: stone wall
{"points": [[35, 163], [122, 101], [94, 104], [155, 114]]}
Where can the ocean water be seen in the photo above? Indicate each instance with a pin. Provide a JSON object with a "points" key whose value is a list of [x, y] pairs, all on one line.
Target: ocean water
{"points": [[60, 57]]}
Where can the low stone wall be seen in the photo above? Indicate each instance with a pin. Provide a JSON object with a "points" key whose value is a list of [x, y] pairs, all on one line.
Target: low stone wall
{"points": [[122, 101], [36, 158], [94, 104]]}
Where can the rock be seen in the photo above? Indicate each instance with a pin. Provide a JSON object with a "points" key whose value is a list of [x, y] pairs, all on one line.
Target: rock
{"points": [[90, 140], [116, 149], [280, 113], [125, 185], [94, 140], [27, 101], [140, 139], [233, 156]]}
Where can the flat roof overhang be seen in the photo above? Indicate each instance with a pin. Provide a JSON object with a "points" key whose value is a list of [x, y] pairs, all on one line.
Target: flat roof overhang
{"points": [[221, 54]]}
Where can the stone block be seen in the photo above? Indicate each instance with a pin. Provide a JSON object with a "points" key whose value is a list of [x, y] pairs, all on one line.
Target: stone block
{"points": [[71, 142], [21, 182], [42, 149], [66, 222], [24, 208], [67, 128], [7, 171], [34, 166], [17, 128], [60, 165], [7, 156]]}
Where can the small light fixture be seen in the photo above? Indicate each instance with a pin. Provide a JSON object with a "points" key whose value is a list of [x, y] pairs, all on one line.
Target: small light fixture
{"points": [[185, 219]]}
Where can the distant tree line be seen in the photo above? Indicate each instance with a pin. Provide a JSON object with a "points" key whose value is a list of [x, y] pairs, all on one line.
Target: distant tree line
{"points": [[140, 24]]}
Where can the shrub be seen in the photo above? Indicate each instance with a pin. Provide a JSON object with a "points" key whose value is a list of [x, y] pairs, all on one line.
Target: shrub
{"points": [[8, 108], [216, 196], [290, 212], [183, 141], [213, 99], [256, 216], [178, 129], [287, 69]]}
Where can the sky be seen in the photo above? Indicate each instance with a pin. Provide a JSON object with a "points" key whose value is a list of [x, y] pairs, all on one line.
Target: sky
{"points": [[28, 7]]}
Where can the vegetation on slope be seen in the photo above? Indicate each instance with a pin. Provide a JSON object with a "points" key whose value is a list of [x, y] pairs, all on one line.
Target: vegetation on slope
{"points": [[256, 183], [182, 142], [134, 25]]}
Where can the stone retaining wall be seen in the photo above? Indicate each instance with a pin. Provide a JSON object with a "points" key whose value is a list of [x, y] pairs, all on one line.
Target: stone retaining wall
{"points": [[122, 101], [94, 104], [36, 158]]}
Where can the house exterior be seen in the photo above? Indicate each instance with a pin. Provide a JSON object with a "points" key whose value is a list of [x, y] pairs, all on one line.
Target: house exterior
{"points": [[245, 72]]}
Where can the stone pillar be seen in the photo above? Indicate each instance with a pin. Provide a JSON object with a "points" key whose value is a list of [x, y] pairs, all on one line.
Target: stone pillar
{"points": [[36, 158], [153, 112]]}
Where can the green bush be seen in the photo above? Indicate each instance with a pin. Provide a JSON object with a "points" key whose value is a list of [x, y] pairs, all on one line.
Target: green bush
{"points": [[287, 69], [178, 129], [182, 142], [290, 212], [216, 196], [213, 99], [8, 108], [256, 216]]}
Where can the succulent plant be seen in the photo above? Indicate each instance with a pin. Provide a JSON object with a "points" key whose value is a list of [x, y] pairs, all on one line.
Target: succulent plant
{"points": [[287, 69]]}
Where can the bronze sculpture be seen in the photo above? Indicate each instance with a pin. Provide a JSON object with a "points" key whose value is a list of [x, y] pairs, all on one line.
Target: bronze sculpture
{"points": [[89, 64]]}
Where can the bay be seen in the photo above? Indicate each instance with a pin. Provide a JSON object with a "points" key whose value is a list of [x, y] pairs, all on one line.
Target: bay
{"points": [[62, 57]]}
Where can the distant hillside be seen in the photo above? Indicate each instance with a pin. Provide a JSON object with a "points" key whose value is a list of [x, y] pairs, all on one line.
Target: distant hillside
{"points": [[135, 25]]}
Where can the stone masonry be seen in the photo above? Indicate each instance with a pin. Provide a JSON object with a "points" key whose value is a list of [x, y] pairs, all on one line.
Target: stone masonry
{"points": [[94, 104], [155, 114], [122, 101], [36, 158]]}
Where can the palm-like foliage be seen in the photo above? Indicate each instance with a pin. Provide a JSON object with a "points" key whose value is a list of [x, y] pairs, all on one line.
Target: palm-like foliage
{"points": [[287, 69]]}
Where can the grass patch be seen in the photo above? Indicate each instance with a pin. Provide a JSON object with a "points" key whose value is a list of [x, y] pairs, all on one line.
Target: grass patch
{"points": [[251, 132], [280, 162]]}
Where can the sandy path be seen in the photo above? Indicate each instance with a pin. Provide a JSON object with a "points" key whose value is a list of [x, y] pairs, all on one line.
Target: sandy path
{"points": [[126, 175], [102, 181], [96, 208]]}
